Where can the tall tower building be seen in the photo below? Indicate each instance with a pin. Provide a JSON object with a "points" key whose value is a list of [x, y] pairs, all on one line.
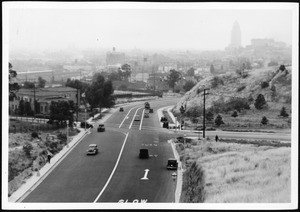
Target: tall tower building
{"points": [[236, 36]]}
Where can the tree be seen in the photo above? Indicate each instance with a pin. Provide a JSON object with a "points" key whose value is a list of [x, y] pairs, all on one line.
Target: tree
{"points": [[173, 77], [282, 67], [41, 82], [219, 120], [61, 111], [99, 93], [234, 114], [13, 86], [191, 72], [77, 84], [27, 109], [264, 121], [283, 112], [209, 116], [28, 85], [264, 84], [260, 102], [188, 85], [194, 186], [21, 107]]}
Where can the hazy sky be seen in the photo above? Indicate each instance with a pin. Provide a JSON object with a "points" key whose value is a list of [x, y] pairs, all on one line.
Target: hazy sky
{"points": [[160, 28]]}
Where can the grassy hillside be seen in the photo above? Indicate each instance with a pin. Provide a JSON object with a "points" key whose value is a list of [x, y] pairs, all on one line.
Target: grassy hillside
{"points": [[272, 83], [240, 173]]}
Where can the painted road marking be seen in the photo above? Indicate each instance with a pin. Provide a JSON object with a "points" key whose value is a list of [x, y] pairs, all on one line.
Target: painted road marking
{"points": [[145, 175], [126, 117], [142, 119], [113, 171], [134, 201], [134, 117]]}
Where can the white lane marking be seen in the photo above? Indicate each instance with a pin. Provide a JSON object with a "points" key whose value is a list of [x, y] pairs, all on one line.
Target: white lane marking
{"points": [[134, 117], [113, 171], [142, 119], [126, 117], [145, 175]]}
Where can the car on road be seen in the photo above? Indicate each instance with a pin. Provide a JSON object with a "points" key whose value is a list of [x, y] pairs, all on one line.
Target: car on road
{"points": [[146, 115], [163, 119], [101, 128], [147, 105], [137, 118], [144, 153], [92, 150], [85, 125], [172, 164], [151, 110], [121, 109]]}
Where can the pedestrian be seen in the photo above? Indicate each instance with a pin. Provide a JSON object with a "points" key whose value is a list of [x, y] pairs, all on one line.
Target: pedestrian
{"points": [[49, 157], [217, 138]]}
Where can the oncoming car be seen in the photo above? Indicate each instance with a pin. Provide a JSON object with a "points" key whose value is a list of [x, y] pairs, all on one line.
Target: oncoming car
{"points": [[92, 150], [144, 153], [121, 109], [101, 128]]}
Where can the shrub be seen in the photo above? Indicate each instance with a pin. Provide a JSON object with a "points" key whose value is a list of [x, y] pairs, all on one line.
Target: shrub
{"points": [[188, 85], [264, 85], [193, 186], [216, 81], [260, 102], [240, 88], [34, 135], [219, 120], [27, 148], [234, 114], [62, 136], [283, 112], [209, 116], [264, 121]]}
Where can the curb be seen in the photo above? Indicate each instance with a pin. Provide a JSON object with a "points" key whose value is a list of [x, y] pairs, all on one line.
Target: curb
{"points": [[19, 195], [179, 170]]}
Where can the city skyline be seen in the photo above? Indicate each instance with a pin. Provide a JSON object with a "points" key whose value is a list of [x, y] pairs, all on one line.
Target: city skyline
{"points": [[190, 28]]}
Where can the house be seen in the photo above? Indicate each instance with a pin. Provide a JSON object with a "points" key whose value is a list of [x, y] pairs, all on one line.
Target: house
{"points": [[44, 96]]}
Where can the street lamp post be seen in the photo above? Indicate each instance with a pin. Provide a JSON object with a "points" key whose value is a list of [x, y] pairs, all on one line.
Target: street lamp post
{"points": [[67, 132], [85, 119]]}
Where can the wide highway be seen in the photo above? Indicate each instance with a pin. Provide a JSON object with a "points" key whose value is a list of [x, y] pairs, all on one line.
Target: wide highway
{"points": [[116, 173]]}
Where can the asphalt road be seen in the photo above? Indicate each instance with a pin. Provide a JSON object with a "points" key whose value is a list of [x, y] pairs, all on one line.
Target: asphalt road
{"points": [[115, 174]]}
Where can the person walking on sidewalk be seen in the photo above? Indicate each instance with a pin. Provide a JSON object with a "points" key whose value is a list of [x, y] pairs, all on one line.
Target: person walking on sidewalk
{"points": [[217, 138], [49, 157]]}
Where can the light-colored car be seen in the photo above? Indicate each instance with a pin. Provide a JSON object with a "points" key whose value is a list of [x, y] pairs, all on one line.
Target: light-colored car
{"points": [[137, 118], [93, 149]]}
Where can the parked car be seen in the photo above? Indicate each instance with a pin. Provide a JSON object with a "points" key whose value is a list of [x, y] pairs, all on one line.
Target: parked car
{"points": [[137, 118], [85, 125], [121, 109], [172, 164], [92, 150], [101, 128], [144, 153]]}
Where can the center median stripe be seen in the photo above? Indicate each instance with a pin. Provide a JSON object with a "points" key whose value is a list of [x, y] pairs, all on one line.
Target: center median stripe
{"points": [[134, 117], [126, 116], [113, 171]]}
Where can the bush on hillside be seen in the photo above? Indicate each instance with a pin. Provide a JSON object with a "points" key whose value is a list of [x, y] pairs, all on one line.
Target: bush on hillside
{"points": [[264, 121], [260, 102], [193, 187], [219, 120], [34, 135], [27, 148], [234, 114], [216, 81], [264, 84], [240, 88], [283, 112]]}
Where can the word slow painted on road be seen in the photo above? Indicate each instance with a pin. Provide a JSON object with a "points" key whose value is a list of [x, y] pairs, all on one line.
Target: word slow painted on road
{"points": [[145, 175], [133, 201]]}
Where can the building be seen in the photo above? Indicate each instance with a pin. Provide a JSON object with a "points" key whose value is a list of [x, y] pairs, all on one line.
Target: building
{"points": [[115, 58], [236, 38], [44, 96]]}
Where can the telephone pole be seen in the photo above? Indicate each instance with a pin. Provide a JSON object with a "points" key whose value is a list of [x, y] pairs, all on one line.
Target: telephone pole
{"points": [[204, 110]]}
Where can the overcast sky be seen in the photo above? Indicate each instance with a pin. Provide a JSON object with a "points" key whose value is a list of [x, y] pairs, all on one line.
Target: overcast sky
{"points": [[155, 28]]}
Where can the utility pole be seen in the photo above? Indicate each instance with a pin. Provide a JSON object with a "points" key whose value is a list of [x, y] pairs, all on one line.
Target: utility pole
{"points": [[204, 110], [77, 106], [34, 99]]}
